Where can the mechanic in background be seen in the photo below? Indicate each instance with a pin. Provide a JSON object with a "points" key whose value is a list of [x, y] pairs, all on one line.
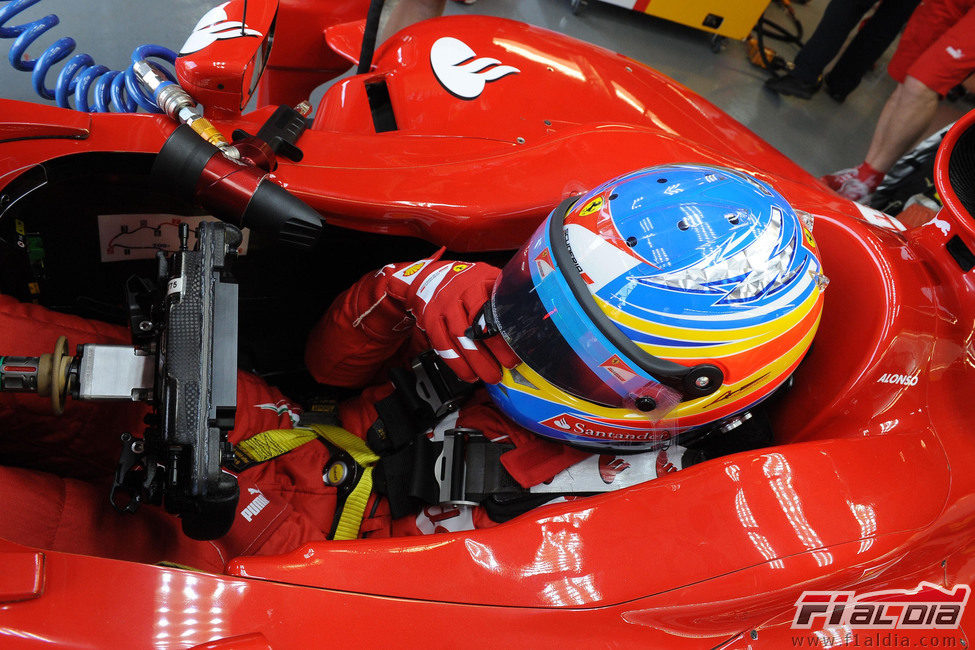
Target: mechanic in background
{"points": [[839, 19], [935, 54]]}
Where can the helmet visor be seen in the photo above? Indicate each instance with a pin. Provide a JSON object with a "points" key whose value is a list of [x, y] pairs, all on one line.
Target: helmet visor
{"points": [[536, 314]]}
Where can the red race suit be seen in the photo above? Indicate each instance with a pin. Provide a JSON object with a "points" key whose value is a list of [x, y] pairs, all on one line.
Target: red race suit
{"points": [[58, 469]]}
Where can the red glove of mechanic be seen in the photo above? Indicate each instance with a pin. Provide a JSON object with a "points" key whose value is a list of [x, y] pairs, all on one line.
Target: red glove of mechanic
{"points": [[444, 299]]}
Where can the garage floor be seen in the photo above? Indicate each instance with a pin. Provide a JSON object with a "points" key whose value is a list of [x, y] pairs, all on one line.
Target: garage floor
{"points": [[819, 134]]}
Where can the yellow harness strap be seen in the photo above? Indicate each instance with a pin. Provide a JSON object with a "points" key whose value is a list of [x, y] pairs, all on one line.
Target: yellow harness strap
{"points": [[354, 507], [270, 444], [266, 445]]}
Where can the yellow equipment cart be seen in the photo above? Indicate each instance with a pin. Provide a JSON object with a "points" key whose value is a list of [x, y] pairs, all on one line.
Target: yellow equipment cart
{"points": [[729, 18]]}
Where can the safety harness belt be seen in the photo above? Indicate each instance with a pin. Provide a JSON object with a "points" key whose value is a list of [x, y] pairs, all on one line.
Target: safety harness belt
{"points": [[402, 463], [350, 467], [465, 467]]}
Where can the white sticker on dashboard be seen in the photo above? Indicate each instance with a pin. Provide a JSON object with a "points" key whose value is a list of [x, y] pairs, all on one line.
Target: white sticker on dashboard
{"points": [[125, 237], [175, 286]]}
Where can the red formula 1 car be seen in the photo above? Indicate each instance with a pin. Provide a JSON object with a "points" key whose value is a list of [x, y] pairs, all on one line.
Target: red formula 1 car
{"points": [[865, 499]]}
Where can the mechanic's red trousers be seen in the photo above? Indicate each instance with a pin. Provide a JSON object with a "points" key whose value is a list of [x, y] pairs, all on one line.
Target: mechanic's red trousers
{"points": [[938, 45]]}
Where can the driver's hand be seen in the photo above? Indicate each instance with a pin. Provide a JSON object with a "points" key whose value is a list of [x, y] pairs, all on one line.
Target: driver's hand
{"points": [[445, 302]]}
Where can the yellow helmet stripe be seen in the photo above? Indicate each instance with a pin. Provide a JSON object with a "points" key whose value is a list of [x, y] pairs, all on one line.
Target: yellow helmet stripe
{"points": [[544, 390], [727, 342], [738, 392], [753, 383]]}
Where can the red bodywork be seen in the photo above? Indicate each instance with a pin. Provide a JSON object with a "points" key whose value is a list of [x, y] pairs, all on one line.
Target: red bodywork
{"points": [[869, 487]]}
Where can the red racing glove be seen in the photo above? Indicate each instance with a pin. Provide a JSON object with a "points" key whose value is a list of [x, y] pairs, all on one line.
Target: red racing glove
{"points": [[444, 300]]}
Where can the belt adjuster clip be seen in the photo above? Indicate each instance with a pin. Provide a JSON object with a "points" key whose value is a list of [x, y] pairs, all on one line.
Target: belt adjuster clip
{"points": [[451, 469], [437, 385]]}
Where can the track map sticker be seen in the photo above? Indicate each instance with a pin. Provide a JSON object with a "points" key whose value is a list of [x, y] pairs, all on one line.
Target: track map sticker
{"points": [[138, 236]]}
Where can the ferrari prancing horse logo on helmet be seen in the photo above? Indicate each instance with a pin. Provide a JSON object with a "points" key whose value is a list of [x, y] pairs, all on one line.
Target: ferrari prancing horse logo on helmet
{"points": [[592, 206]]}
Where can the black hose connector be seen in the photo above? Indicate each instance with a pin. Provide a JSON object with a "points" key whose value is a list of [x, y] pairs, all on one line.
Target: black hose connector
{"points": [[241, 194]]}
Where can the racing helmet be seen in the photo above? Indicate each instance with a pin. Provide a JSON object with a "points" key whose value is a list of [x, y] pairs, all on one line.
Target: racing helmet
{"points": [[659, 303]]}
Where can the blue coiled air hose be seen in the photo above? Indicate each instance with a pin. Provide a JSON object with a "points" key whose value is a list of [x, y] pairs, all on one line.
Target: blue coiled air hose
{"points": [[111, 90]]}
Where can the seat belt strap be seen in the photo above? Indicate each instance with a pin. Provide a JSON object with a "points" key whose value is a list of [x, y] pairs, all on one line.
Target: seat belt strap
{"points": [[266, 445], [423, 395], [353, 508], [353, 497], [467, 469]]}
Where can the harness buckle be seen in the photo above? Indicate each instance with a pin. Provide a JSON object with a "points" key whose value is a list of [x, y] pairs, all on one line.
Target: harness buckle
{"points": [[469, 469], [437, 385], [451, 468]]}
